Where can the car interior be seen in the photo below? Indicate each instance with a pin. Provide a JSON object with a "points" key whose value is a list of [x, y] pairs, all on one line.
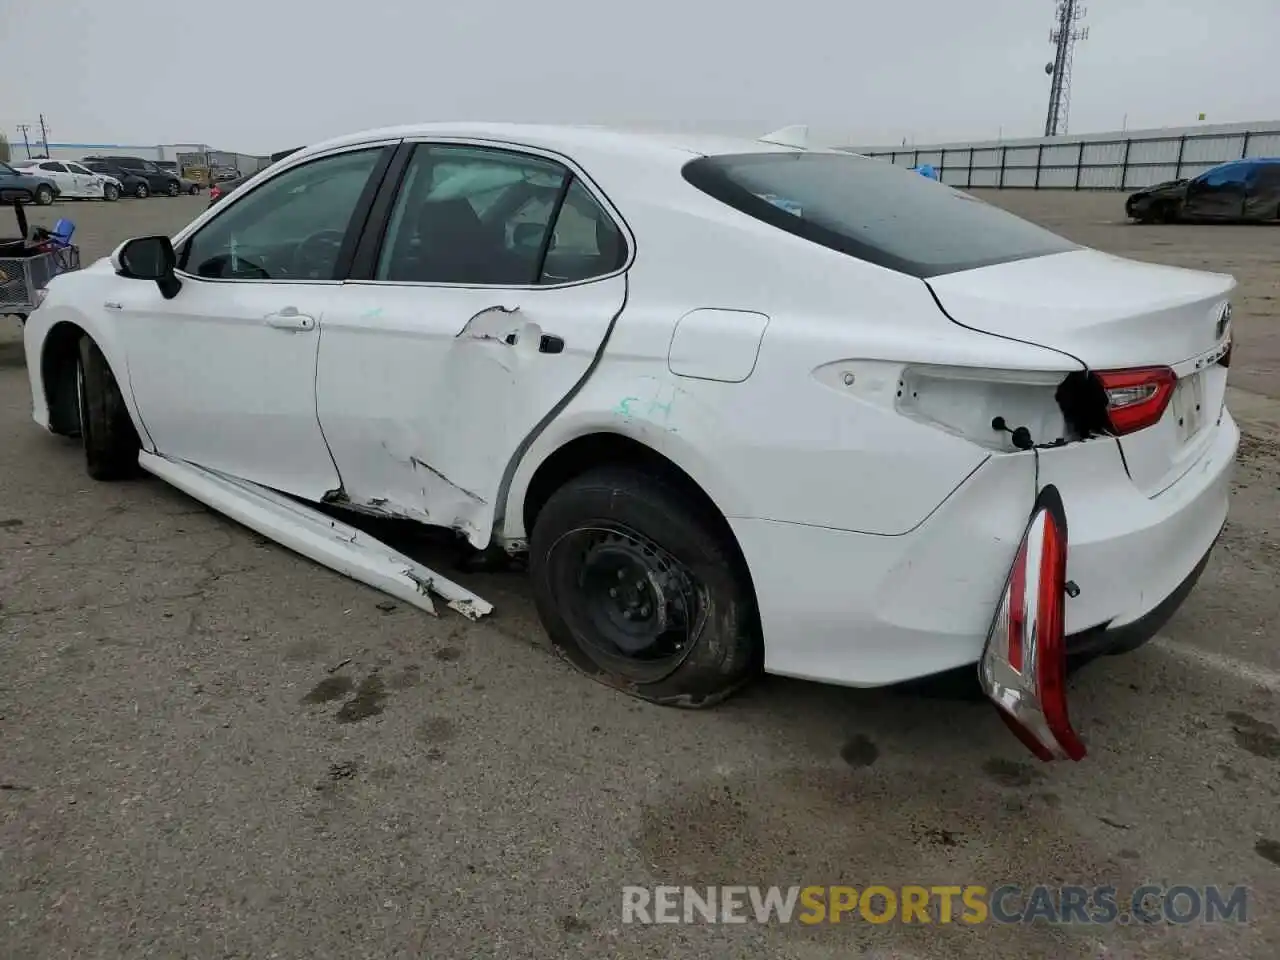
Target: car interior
{"points": [[473, 232], [475, 224]]}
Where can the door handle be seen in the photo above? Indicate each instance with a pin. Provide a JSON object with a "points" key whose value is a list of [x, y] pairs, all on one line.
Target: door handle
{"points": [[291, 320]]}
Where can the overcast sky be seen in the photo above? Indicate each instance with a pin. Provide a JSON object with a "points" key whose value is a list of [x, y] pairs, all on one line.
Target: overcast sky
{"points": [[263, 75]]}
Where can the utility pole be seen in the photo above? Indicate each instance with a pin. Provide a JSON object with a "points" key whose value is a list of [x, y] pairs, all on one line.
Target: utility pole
{"points": [[25, 129], [1063, 36], [44, 135]]}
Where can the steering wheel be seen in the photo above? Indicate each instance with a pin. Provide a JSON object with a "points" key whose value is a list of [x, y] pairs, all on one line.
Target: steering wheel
{"points": [[316, 255]]}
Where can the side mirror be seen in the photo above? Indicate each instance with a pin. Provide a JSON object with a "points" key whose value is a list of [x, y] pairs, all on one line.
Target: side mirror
{"points": [[150, 258]]}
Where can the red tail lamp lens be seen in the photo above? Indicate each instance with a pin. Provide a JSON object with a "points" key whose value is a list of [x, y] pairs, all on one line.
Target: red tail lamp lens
{"points": [[1024, 664], [1136, 399]]}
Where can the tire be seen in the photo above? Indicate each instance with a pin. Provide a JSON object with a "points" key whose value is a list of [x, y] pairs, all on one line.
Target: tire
{"points": [[195, 190], [110, 441], [142, 191], [1166, 213], [597, 525], [174, 188], [110, 192], [44, 195]]}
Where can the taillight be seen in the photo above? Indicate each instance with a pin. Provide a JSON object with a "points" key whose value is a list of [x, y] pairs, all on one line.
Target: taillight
{"points": [[1024, 663], [1136, 399]]}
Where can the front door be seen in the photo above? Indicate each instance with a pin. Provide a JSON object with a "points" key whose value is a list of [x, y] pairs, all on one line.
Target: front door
{"points": [[1218, 194], [498, 276], [224, 373], [88, 184]]}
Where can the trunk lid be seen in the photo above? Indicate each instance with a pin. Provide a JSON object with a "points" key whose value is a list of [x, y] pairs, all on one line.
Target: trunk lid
{"points": [[1111, 313]]}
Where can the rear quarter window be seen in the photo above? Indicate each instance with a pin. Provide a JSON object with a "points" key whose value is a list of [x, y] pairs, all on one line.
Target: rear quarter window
{"points": [[872, 210]]}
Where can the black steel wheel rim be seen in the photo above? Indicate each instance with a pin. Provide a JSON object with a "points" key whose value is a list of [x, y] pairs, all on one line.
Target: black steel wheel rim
{"points": [[634, 609]]}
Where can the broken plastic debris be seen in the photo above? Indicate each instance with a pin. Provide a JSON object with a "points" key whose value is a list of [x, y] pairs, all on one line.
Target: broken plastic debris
{"points": [[318, 537]]}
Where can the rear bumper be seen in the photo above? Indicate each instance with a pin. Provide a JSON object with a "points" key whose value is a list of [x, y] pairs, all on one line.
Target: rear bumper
{"points": [[1105, 640], [864, 610]]}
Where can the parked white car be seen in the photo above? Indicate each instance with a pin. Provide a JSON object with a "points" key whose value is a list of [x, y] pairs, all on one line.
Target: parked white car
{"points": [[744, 404], [74, 180]]}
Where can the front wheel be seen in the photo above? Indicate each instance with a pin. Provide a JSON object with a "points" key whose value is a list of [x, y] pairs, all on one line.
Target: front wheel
{"points": [[194, 190], [110, 192], [641, 591], [110, 441], [44, 195], [174, 188]]}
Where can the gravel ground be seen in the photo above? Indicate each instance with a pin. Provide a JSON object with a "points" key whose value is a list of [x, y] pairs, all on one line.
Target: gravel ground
{"points": [[212, 748]]}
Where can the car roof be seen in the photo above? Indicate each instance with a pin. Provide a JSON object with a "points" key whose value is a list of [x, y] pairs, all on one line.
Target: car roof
{"points": [[1249, 161], [577, 141]]}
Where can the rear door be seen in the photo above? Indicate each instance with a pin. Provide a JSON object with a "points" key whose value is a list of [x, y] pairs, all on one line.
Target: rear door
{"points": [[1263, 201], [480, 297], [88, 184]]}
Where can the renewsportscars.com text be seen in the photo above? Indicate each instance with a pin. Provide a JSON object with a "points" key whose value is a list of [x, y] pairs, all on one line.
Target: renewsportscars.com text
{"points": [[912, 904]]}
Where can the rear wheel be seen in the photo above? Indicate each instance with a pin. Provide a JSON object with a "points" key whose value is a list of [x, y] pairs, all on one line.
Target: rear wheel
{"points": [[110, 192], [44, 195], [110, 441], [637, 589], [141, 191]]}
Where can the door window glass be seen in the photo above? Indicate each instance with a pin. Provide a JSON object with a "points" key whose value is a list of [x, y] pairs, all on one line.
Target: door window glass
{"points": [[289, 228], [586, 242], [76, 168], [55, 167], [1227, 175], [470, 215]]}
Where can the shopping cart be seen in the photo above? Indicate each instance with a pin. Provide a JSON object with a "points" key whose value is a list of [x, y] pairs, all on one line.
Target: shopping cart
{"points": [[30, 261]]}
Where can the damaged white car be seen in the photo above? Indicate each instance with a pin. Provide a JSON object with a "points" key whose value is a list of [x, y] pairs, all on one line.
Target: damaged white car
{"points": [[747, 405]]}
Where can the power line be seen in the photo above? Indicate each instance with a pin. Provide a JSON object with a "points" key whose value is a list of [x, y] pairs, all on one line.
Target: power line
{"points": [[1064, 35]]}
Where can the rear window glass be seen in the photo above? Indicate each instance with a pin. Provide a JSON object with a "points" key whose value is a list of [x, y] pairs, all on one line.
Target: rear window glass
{"points": [[872, 210]]}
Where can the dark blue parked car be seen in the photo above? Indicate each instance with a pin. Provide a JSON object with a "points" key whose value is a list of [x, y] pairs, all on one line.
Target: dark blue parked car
{"points": [[1235, 192], [28, 189]]}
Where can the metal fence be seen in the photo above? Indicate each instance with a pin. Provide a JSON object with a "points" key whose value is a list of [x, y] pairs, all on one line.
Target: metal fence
{"points": [[1105, 161]]}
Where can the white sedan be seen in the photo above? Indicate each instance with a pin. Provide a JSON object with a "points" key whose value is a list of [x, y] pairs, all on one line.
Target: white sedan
{"points": [[74, 180], [745, 404]]}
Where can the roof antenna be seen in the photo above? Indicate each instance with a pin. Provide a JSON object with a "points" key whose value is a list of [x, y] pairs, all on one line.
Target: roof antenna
{"points": [[796, 136]]}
